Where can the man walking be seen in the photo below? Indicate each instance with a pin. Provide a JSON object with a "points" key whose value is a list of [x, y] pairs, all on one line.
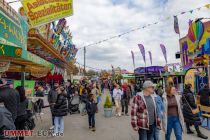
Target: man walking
{"points": [[125, 98], [147, 119], [52, 97]]}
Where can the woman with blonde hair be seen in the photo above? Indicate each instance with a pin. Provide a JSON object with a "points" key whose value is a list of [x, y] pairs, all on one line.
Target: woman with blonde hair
{"points": [[173, 117]]}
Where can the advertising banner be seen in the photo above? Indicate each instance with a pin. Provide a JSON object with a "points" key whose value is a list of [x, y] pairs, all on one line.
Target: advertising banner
{"points": [[29, 86], [13, 30], [40, 12], [10, 51], [190, 78]]}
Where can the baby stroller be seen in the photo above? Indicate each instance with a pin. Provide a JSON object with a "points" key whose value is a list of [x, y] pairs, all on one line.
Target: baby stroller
{"points": [[74, 104]]}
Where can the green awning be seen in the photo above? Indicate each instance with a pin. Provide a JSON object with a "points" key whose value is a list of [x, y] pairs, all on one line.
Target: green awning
{"points": [[128, 76], [19, 54]]}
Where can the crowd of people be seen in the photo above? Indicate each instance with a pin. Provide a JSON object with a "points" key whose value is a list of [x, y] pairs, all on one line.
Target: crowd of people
{"points": [[13, 109], [152, 108], [150, 112]]}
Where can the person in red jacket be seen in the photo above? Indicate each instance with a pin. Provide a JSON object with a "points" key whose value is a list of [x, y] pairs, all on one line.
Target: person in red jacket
{"points": [[144, 116]]}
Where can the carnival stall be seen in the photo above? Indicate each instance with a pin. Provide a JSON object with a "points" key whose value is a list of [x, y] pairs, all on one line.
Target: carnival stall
{"points": [[195, 53], [173, 73], [152, 73], [14, 56]]}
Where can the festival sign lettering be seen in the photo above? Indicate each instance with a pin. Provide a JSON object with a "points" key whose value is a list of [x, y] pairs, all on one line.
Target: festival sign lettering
{"points": [[12, 31], [10, 51], [40, 12]]}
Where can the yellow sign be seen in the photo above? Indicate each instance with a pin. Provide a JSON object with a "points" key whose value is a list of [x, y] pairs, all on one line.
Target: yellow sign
{"points": [[40, 12], [190, 77]]}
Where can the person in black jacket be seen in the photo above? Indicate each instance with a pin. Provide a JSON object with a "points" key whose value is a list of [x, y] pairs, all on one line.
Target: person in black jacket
{"points": [[59, 111], [52, 96], [188, 101], [204, 96], [91, 108], [39, 103], [84, 99], [10, 98], [22, 110]]}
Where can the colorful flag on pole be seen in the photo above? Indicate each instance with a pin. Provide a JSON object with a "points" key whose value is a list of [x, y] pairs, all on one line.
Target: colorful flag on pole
{"points": [[176, 25], [142, 50], [163, 48], [133, 59], [150, 56]]}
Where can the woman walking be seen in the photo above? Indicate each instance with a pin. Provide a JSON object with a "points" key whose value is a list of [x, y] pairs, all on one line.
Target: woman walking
{"points": [[117, 94], [22, 110], [190, 117], [173, 117]]}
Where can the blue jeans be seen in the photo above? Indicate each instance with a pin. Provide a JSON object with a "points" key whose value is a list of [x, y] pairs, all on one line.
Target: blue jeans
{"points": [[59, 125], [174, 123], [146, 134], [91, 119], [156, 134]]}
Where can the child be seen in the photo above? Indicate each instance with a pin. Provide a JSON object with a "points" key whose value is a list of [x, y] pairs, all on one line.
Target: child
{"points": [[60, 109], [91, 107]]}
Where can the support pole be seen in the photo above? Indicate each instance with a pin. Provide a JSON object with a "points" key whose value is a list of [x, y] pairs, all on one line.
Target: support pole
{"points": [[22, 76], [84, 60]]}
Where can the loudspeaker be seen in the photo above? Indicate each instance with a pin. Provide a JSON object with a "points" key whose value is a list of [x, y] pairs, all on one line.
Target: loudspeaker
{"points": [[177, 55]]}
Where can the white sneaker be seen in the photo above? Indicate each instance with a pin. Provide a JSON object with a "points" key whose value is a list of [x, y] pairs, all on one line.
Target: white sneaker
{"points": [[52, 127]]}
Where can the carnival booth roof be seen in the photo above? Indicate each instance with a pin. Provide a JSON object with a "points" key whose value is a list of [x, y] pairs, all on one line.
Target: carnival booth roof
{"points": [[16, 57], [151, 69], [39, 46]]}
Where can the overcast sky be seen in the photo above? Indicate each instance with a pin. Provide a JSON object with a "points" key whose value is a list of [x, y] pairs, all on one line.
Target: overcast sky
{"points": [[95, 20]]}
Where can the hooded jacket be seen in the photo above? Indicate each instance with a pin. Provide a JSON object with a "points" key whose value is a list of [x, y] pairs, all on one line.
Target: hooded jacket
{"points": [[11, 100], [6, 121], [140, 115]]}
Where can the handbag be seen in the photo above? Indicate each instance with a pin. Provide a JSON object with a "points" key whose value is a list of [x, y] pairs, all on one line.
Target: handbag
{"points": [[194, 111], [29, 124]]}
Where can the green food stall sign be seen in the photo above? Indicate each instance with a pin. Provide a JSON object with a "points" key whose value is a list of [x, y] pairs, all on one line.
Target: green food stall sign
{"points": [[14, 30], [36, 59], [10, 51]]}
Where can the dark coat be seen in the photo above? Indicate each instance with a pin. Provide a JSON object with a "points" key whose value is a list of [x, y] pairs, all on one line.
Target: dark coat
{"points": [[91, 107], [189, 117], [11, 100], [61, 107], [52, 96], [70, 91], [84, 98], [6, 121], [204, 96]]}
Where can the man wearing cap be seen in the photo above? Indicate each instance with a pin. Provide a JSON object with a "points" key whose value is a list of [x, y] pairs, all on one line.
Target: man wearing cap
{"points": [[10, 98], [143, 114]]}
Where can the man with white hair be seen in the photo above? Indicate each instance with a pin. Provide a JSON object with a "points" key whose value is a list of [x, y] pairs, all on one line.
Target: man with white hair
{"points": [[144, 116]]}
